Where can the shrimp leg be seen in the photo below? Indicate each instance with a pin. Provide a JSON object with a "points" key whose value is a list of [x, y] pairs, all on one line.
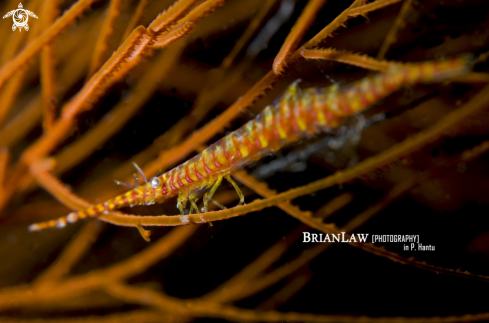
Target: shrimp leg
{"points": [[182, 202], [236, 187], [193, 206], [208, 195], [222, 207]]}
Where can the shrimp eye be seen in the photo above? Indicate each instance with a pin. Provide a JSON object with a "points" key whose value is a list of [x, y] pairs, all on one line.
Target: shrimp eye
{"points": [[155, 182]]}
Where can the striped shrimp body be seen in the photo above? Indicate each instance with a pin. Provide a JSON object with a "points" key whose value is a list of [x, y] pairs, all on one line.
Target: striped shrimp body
{"points": [[295, 115]]}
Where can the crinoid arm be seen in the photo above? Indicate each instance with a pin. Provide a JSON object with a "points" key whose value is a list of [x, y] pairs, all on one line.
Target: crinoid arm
{"points": [[30, 13], [8, 14]]}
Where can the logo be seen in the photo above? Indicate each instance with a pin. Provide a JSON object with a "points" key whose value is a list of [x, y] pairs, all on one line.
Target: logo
{"points": [[20, 17]]}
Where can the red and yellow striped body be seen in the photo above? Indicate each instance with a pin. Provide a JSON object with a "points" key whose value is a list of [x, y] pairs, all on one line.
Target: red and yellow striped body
{"points": [[297, 114]]}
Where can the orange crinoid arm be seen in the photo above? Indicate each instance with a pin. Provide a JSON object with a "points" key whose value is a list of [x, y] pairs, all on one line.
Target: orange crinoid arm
{"points": [[297, 114]]}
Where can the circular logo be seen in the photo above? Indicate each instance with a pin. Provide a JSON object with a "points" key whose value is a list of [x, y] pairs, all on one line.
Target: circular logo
{"points": [[20, 17]]}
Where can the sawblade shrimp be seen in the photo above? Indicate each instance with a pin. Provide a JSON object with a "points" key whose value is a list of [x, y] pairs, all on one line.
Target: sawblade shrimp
{"points": [[295, 115]]}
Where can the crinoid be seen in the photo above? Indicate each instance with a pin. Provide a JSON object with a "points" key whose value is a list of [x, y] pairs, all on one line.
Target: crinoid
{"points": [[94, 87]]}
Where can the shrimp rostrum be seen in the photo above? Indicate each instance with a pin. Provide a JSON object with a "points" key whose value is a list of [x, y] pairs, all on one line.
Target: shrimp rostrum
{"points": [[295, 115]]}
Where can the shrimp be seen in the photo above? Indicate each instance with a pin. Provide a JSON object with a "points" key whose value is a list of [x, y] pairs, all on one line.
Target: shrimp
{"points": [[295, 115]]}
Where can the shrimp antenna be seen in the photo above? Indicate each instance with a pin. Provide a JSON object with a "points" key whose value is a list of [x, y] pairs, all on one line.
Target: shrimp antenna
{"points": [[158, 172], [125, 184], [140, 172], [136, 178]]}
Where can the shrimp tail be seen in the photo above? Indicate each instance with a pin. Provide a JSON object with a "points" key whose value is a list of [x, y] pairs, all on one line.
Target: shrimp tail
{"points": [[438, 71], [362, 94]]}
